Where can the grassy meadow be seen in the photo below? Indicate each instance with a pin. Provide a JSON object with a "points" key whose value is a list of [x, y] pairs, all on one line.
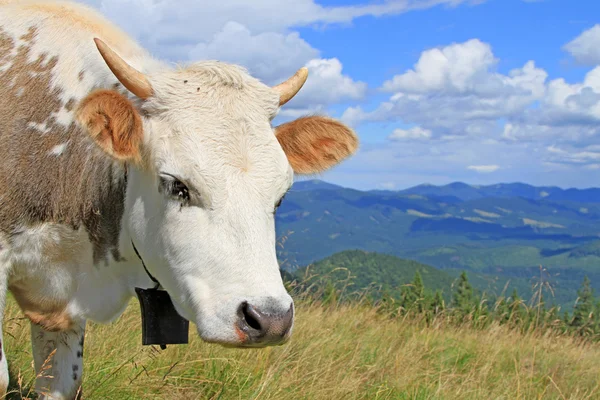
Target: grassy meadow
{"points": [[339, 351]]}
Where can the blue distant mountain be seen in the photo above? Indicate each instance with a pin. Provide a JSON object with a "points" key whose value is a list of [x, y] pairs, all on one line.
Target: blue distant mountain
{"points": [[463, 191], [314, 184], [504, 230]]}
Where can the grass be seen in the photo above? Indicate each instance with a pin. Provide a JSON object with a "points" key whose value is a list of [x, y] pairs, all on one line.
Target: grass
{"points": [[336, 352]]}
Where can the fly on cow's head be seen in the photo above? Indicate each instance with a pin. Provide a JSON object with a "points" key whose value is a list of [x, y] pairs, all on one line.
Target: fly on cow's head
{"points": [[203, 136]]}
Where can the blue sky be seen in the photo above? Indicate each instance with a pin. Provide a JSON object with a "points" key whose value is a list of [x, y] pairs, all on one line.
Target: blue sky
{"points": [[438, 90]]}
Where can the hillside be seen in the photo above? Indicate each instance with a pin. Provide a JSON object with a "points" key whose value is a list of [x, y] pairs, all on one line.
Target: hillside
{"points": [[499, 231], [357, 270], [336, 352]]}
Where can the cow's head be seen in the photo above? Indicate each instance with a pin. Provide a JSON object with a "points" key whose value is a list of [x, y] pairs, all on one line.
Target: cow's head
{"points": [[207, 173]]}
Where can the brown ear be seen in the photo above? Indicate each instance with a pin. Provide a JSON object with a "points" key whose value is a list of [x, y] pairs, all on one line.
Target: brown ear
{"points": [[315, 144], [113, 123]]}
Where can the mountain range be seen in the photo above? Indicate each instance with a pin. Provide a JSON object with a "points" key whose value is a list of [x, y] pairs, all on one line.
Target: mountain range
{"points": [[501, 232]]}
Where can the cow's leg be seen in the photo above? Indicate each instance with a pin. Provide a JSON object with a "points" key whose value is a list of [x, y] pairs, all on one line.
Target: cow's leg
{"points": [[58, 358]]}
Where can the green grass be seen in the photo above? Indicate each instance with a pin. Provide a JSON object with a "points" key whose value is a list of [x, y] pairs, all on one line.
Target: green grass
{"points": [[336, 352]]}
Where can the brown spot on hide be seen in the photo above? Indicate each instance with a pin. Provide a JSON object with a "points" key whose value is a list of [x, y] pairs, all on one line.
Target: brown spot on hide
{"points": [[70, 105], [80, 187]]}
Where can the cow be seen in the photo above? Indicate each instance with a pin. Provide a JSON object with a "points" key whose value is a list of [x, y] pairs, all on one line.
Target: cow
{"points": [[108, 153]]}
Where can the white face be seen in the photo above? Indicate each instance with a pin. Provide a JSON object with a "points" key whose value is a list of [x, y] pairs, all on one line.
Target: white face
{"points": [[207, 173], [202, 216]]}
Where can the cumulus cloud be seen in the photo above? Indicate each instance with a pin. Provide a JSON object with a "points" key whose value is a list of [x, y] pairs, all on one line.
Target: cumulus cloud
{"points": [[585, 48], [269, 55], [456, 68], [273, 57], [456, 91], [579, 103], [484, 169]]}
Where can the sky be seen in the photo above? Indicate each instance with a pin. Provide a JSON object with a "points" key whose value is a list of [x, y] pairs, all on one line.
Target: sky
{"points": [[438, 91]]}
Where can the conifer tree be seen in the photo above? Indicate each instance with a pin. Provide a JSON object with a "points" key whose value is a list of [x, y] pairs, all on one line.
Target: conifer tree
{"points": [[584, 309], [463, 299], [438, 305], [413, 294]]}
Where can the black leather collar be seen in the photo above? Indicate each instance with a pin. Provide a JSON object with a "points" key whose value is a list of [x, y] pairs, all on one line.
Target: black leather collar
{"points": [[146, 269]]}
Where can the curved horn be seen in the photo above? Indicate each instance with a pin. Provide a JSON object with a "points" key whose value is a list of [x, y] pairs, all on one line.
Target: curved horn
{"points": [[290, 88], [132, 79]]}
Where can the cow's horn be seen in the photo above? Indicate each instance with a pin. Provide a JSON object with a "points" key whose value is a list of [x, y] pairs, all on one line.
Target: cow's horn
{"points": [[290, 88], [132, 79]]}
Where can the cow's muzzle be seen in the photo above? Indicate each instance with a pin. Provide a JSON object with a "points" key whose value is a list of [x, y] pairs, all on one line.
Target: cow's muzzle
{"points": [[264, 327]]}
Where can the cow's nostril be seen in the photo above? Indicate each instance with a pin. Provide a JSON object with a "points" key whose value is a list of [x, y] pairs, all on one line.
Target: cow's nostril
{"points": [[251, 316]]}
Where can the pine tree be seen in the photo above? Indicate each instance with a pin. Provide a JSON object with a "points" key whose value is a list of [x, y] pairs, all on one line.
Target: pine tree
{"points": [[584, 309], [438, 305], [463, 299], [387, 302], [413, 294]]}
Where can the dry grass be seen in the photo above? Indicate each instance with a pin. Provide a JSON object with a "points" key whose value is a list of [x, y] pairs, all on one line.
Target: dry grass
{"points": [[343, 352]]}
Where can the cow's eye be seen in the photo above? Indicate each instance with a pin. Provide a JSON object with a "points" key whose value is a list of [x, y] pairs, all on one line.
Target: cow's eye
{"points": [[180, 191], [174, 188]]}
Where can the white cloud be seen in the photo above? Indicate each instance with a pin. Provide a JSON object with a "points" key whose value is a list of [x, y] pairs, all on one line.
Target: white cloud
{"points": [[585, 48], [579, 101], [589, 155], [455, 91], [455, 68], [273, 57], [483, 169], [412, 133], [268, 55]]}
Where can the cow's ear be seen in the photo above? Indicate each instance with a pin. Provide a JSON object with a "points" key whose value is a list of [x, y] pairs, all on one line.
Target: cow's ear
{"points": [[113, 122], [314, 144]]}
